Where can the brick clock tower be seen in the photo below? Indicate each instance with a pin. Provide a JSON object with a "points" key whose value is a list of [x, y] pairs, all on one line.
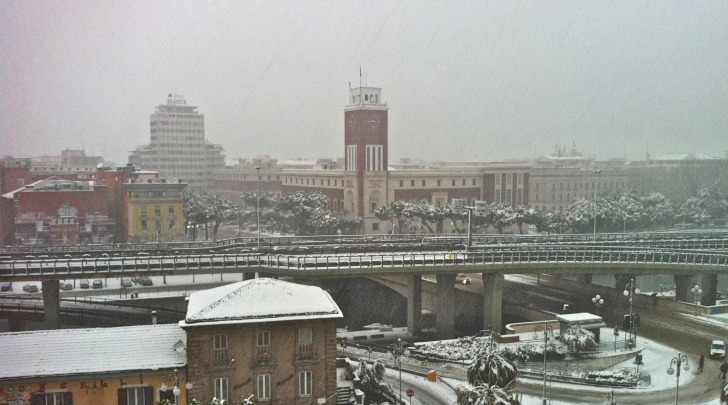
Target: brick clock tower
{"points": [[365, 162]]}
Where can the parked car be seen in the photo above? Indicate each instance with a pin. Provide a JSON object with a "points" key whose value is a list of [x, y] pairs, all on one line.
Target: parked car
{"points": [[717, 349], [64, 285], [125, 282], [85, 284], [97, 284], [6, 286], [30, 288], [145, 281]]}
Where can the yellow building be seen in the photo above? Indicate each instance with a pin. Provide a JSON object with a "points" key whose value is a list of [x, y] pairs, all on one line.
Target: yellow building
{"points": [[154, 210], [125, 366]]}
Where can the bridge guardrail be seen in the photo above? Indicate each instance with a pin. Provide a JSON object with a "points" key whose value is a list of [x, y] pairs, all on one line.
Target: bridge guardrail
{"points": [[113, 267]]}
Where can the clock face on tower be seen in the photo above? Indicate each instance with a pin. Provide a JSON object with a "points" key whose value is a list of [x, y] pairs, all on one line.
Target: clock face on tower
{"points": [[373, 121]]}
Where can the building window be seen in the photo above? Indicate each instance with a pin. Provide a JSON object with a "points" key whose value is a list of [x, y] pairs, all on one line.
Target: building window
{"points": [[498, 196], [463, 182], [423, 183], [497, 179], [412, 183], [170, 211], [453, 182], [305, 383], [264, 386], [305, 336], [438, 182], [305, 343], [157, 210], [136, 396], [375, 226], [373, 207], [144, 224], [52, 398], [401, 183], [351, 158], [519, 196], [262, 338], [520, 178], [374, 158], [221, 388], [473, 181], [143, 211]]}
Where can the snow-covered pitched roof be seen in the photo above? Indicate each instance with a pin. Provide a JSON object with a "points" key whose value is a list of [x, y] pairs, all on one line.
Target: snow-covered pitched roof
{"points": [[89, 351], [259, 300]]}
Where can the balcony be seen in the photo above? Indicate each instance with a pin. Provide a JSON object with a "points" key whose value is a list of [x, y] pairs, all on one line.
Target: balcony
{"points": [[305, 353], [220, 357], [263, 356]]}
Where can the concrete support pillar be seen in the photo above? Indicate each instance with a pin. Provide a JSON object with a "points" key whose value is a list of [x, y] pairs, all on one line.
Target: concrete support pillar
{"points": [[51, 304], [15, 323], [683, 283], [414, 303], [493, 302], [709, 285], [584, 278], [446, 306]]}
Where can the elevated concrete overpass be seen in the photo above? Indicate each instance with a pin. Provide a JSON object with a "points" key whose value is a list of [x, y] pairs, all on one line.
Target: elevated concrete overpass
{"points": [[685, 259]]}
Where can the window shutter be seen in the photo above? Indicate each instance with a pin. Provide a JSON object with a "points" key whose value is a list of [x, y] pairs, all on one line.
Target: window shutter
{"points": [[148, 396], [37, 399], [121, 393]]}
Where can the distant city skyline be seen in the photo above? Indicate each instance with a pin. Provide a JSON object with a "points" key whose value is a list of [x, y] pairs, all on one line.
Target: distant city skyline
{"points": [[491, 82]]}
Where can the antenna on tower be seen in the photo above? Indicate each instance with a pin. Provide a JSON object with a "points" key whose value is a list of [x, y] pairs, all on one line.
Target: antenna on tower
{"points": [[360, 84]]}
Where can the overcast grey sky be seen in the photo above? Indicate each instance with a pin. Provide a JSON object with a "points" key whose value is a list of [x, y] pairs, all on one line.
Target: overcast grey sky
{"points": [[463, 81]]}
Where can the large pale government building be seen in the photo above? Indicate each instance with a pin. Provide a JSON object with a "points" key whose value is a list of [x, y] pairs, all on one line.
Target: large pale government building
{"points": [[366, 179], [178, 148]]}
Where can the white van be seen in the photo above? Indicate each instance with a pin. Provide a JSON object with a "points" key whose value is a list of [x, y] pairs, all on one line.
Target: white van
{"points": [[717, 349]]}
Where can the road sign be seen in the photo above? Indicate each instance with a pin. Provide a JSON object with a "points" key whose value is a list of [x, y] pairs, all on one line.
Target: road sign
{"points": [[481, 208], [410, 392], [458, 204]]}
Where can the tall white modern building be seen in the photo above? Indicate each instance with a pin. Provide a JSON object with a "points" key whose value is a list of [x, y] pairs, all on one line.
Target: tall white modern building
{"points": [[178, 148]]}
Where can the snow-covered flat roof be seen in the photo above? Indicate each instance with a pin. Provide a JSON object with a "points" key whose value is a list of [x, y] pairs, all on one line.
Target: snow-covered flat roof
{"points": [[88, 351], [259, 300], [578, 318]]}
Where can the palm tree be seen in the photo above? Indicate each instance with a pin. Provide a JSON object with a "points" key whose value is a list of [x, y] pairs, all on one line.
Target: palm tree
{"points": [[493, 377]]}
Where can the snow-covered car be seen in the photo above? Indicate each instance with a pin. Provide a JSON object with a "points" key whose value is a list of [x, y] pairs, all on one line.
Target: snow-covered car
{"points": [[125, 282], [6, 286], [64, 285], [85, 284], [717, 349], [97, 284], [30, 288]]}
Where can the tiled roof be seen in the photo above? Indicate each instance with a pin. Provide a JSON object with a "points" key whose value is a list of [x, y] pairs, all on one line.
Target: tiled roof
{"points": [[95, 350], [259, 300]]}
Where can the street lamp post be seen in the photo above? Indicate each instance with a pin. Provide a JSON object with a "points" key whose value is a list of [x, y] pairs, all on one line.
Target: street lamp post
{"points": [[629, 291], [598, 302], [597, 171], [175, 389], [681, 361], [697, 292], [399, 360], [257, 200], [546, 329]]}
